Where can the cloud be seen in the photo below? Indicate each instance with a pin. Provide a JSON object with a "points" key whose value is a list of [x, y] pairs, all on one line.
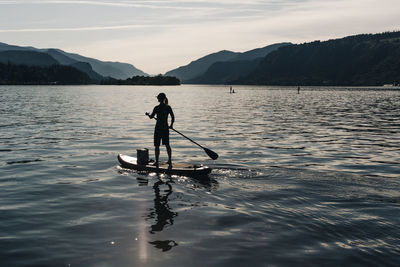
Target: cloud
{"points": [[100, 17], [79, 29], [177, 5], [163, 34]]}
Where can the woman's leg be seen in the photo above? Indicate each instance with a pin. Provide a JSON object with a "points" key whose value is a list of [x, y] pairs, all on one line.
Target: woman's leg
{"points": [[157, 153], [169, 152]]}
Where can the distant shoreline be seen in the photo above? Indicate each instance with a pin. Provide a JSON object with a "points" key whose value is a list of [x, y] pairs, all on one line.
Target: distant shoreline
{"points": [[143, 80], [56, 74], [302, 88]]}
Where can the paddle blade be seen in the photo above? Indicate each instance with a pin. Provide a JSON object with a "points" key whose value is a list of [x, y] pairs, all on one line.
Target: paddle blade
{"points": [[211, 153]]}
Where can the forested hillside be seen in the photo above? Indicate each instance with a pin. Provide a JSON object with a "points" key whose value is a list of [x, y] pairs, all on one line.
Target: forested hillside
{"points": [[54, 74], [356, 60]]}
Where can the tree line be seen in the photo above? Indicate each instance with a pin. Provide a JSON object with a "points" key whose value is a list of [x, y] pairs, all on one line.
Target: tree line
{"points": [[41, 75], [144, 80], [20, 74]]}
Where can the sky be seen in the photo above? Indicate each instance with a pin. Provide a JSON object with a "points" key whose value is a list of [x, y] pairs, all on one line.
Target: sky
{"points": [[159, 35]]}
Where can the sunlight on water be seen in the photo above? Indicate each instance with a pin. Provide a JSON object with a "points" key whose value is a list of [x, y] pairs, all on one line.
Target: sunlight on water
{"points": [[142, 238]]}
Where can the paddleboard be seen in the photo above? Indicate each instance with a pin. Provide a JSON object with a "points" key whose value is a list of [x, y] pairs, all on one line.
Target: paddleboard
{"points": [[183, 169]]}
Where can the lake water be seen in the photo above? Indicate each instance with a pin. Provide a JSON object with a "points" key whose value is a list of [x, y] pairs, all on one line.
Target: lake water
{"points": [[309, 179]]}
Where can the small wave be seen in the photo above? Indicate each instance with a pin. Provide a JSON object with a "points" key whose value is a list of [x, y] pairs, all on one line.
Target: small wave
{"points": [[285, 148], [23, 161]]}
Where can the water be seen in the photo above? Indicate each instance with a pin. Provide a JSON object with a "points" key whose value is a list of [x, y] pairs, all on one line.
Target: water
{"points": [[309, 179]]}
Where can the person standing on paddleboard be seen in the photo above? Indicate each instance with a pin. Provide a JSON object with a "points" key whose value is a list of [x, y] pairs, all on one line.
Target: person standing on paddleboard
{"points": [[161, 130]]}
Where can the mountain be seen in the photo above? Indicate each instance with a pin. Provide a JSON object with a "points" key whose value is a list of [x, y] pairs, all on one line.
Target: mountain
{"points": [[199, 70], [367, 59], [223, 72], [239, 66], [80, 65], [6, 47], [258, 52], [94, 68], [115, 70], [199, 66], [45, 57], [59, 56], [27, 58]]}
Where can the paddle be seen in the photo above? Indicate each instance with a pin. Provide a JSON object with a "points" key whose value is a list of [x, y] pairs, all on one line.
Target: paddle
{"points": [[209, 152]]}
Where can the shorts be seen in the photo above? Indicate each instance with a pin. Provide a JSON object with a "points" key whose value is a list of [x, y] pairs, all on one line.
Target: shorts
{"points": [[161, 134]]}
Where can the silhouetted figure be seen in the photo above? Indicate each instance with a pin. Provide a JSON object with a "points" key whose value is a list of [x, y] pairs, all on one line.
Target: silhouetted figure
{"points": [[161, 130], [230, 90], [298, 89]]}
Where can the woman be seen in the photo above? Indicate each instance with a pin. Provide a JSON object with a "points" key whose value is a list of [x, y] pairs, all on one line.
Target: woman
{"points": [[161, 131]]}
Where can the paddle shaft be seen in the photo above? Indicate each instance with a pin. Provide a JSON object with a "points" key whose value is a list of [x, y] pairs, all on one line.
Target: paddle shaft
{"points": [[187, 137], [209, 152], [183, 135]]}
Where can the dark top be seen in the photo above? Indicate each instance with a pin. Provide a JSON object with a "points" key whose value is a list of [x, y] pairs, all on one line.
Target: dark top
{"points": [[162, 112]]}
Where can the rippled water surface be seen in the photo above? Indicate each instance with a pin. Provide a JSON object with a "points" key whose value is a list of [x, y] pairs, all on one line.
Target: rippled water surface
{"points": [[309, 179]]}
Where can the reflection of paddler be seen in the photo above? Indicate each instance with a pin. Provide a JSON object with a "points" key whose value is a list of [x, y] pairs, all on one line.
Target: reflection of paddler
{"points": [[164, 245], [162, 211], [162, 214]]}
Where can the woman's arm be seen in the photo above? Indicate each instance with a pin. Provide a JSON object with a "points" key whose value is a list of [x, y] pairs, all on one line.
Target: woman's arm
{"points": [[172, 117], [152, 114]]}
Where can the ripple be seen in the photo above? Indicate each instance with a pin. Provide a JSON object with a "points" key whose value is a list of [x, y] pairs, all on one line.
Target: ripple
{"points": [[23, 161]]}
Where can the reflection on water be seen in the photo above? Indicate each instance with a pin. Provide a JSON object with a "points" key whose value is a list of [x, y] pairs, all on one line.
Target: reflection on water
{"points": [[162, 213], [164, 245]]}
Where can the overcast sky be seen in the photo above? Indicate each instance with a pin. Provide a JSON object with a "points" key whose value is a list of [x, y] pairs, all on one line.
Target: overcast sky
{"points": [[157, 36]]}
